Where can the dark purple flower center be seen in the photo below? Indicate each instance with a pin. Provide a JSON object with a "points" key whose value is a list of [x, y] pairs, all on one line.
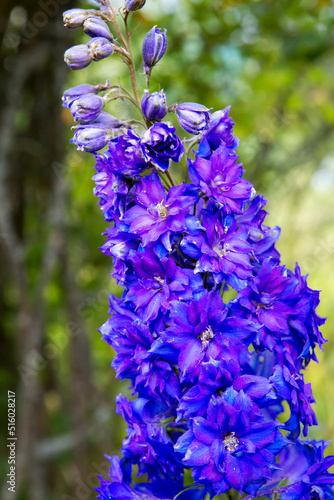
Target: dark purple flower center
{"points": [[206, 336], [231, 442]]}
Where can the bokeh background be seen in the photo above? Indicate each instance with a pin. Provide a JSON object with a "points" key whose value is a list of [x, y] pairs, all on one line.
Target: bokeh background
{"points": [[273, 62]]}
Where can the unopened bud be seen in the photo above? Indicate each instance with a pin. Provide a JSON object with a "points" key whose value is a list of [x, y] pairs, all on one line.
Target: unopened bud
{"points": [[154, 47], [87, 108], [132, 5], [100, 48], [91, 138], [78, 56], [74, 18], [154, 106], [192, 117], [96, 27], [70, 95]]}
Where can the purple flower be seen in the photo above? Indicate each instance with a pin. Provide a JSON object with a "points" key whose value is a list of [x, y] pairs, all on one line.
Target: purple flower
{"points": [[214, 379], [193, 117], [267, 301], [154, 106], [304, 467], [154, 47], [151, 377], [292, 388], [200, 329], [157, 282], [234, 447], [87, 108], [124, 155], [157, 215], [160, 145], [150, 442], [220, 132], [221, 250], [220, 178]]}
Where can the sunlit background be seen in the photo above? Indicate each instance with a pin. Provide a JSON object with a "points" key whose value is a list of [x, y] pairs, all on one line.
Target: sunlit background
{"points": [[273, 62]]}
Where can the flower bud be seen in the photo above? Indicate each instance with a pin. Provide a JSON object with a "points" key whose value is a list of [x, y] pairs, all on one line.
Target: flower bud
{"points": [[105, 120], [154, 47], [91, 138], [70, 95], [154, 106], [87, 108], [131, 5], [96, 27], [192, 117], [100, 48], [78, 57], [74, 18]]}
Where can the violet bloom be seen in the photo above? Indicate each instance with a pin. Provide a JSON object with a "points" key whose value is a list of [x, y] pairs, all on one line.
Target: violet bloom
{"points": [[304, 321], [233, 448], [219, 132], [221, 250], [160, 488], [160, 145], [151, 377], [124, 155], [304, 467], [158, 215], [157, 282], [261, 237], [193, 117], [220, 178], [149, 443], [267, 301], [200, 329], [214, 379], [292, 388]]}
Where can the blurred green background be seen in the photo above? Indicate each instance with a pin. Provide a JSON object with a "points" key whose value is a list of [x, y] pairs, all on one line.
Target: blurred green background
{"points": [[273, 62]]}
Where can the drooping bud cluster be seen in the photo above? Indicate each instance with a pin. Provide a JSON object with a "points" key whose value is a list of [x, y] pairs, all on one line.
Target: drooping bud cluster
{"points": [[211, 376]]}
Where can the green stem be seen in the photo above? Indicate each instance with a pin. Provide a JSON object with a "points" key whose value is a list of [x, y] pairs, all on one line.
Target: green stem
{"points": [[170, 178]]}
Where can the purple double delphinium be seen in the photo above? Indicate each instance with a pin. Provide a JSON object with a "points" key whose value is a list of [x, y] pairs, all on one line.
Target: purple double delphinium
{"points": [[211, 374]]}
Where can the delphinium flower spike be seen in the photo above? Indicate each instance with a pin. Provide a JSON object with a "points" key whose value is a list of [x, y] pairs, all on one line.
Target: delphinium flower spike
{"points": [[211, 377]]}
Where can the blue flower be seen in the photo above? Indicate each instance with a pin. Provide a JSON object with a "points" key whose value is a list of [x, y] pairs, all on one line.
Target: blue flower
{"points": [[234, 447], [200, 330]]}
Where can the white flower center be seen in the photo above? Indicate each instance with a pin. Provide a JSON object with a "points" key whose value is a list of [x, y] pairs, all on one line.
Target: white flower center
{"points": [[231, 442], [206, 336], [162, 210]]}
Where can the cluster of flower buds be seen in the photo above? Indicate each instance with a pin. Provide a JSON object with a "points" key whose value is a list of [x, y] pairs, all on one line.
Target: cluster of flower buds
{"points": [[212, 375]]}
